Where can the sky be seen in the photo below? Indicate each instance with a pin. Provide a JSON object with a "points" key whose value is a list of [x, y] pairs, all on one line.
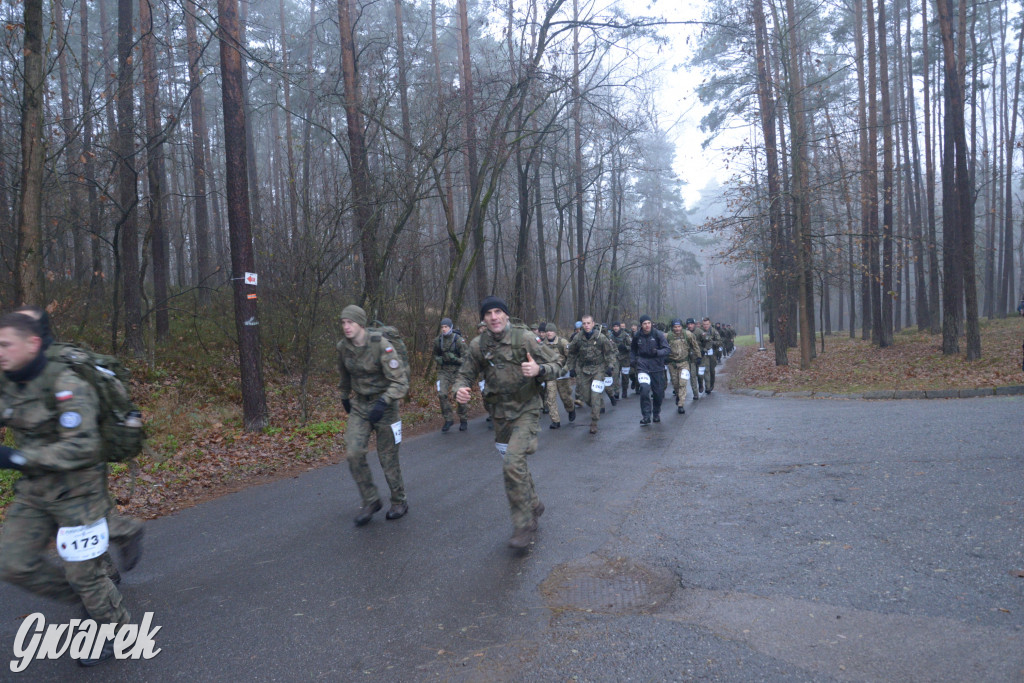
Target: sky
{"points": [[680, 111]]}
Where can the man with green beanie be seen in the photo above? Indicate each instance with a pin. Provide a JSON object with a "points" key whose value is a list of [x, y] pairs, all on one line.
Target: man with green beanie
{"points": [[373, 380], [449, 350]]}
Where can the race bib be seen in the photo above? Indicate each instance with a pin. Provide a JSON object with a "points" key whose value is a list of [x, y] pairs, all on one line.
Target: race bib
{"points": [[608, 381], [719, 349], [684, 375], [502, 448], [597, 386], [439, 386], [700, 370], [711, 352], [643, 378], [625, 370], [80, 543], [396, 429], [482, 383]]}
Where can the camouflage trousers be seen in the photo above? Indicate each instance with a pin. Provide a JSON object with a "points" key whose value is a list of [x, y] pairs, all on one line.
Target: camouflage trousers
{"points": [[520, 434], [31, 525], [696, 380], [357, 441], [594, 399], [709, 371], [558, 388], [678, 385], [446, 375], [620, 383]]}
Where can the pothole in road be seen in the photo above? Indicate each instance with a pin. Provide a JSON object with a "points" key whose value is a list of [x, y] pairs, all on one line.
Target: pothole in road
{"points": [[609, 586]]}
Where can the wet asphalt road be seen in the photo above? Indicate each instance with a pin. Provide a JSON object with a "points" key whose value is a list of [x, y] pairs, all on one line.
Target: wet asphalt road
{"points": [[751, 539]]}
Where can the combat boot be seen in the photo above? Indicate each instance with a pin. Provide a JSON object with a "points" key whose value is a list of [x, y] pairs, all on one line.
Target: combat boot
{"points": [[572, 414], [613, 399], [463, 425], [522, 538], [367, 512], [681, 410], [593, 428], [555, 425], [397, 510], [447, 425]]}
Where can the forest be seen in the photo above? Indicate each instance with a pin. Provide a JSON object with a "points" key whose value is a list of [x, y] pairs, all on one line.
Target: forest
{"points": [[415, 156]]}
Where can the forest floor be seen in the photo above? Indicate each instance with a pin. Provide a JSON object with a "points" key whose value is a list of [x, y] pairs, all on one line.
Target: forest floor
{"points": [[914, 362], [197, 448]]}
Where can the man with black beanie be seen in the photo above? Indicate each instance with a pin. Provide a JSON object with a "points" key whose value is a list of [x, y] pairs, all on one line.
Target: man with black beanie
{"points": [[648, 353]]}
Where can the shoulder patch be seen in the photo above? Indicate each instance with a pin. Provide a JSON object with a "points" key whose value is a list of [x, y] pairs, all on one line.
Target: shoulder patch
{"points": [[389, 349], [70, 420], [393, 363], [64, 395]]}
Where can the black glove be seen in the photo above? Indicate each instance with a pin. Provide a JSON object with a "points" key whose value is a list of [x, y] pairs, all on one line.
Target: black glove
{"points": [[347, 405], [609, 371], [11, 459], [377, 412], [572, 373]]}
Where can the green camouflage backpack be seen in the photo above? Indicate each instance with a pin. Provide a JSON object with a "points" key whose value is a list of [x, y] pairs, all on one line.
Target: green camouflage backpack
{"points": [[120, 420], [385, 334]]}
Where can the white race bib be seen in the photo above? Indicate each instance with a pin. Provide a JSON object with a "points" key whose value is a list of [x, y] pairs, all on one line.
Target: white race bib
{"points": [[80, 543], [482, 386], [719, 349], [396, 429], [597, 386], [684, 375], [710, 352], [439, 386], [643, 378], [502, 448], [700, 370], [625, 370], [608, 381]]}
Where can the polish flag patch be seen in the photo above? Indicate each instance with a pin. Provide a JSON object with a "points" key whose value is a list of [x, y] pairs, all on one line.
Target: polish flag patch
{"points": [[64, 395], [389, 350]]}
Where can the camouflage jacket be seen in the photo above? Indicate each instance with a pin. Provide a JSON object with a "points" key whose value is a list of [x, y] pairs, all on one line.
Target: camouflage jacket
{"points": [[591, 355], [55, 422], [372, 371], [450, 352], [622, 341], [499, 360], [683, 347], [708, 338], [561, 347]]}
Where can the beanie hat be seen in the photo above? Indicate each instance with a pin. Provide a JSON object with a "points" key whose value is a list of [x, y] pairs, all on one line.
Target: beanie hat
{"points": [[355, 314], [579, 324], [691, 321], [446, 322], [645, 318], [677, 321], [492, 302]]}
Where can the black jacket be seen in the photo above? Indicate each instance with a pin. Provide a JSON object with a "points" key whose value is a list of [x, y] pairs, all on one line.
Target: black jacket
{"points": [[648, 352]]}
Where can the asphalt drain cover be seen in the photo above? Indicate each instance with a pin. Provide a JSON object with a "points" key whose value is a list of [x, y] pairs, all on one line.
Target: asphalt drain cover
{"points": [[608, 585]]}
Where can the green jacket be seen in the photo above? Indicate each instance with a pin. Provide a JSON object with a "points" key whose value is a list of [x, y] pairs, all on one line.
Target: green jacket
{"points": [[450, 351], [591, 356], [372, 371], [499, 359], [55, 422]]}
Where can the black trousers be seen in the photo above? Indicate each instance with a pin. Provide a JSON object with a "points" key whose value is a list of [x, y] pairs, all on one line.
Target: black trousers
{"points": [[653, 393]]}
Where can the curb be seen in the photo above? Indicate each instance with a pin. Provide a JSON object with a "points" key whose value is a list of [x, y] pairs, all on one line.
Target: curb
{"points": [[889, 394]]}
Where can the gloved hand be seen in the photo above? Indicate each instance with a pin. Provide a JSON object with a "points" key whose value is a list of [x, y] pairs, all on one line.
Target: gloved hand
{"points": [[572, 373], [347, 405], [609, 371], [11, 459], [377, 412]]}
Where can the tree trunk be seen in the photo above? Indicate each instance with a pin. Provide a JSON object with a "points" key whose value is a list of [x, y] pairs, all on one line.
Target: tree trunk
{"points": [[155, 169], [89, 165], [935, 318], [199, 137], [577, 166], [254, 402], [33, 150], [775, 270], [128, 181], [885, 336], [1006, 286], [362, 202], [474, 217]]}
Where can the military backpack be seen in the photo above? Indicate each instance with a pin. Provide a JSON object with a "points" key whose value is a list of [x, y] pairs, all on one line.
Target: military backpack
{"points": [[120, 421], [388, 336]]}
